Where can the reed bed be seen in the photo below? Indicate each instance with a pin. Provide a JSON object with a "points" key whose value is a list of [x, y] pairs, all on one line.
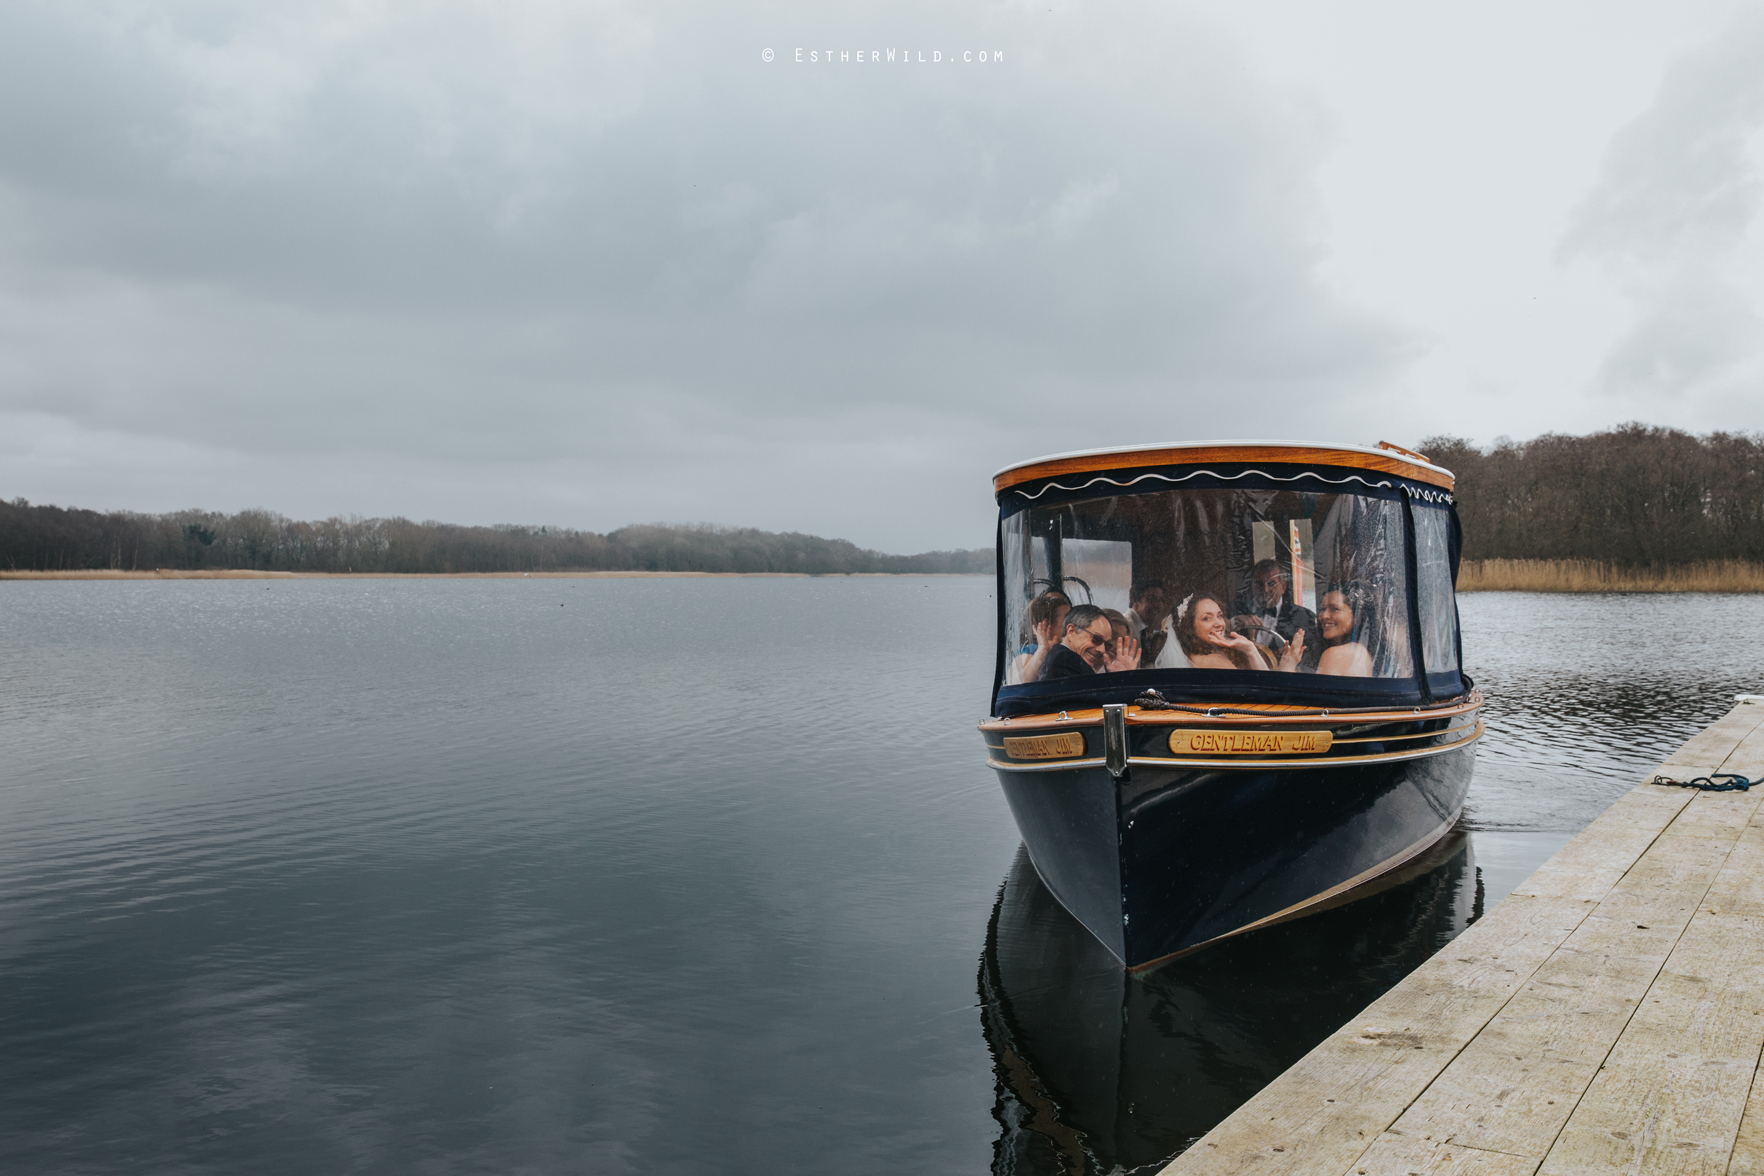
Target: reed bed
{"points": [[1591, 575]]}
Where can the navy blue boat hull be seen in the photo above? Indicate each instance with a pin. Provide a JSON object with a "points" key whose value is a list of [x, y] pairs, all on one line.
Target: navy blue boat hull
{"points": [[1172, 858]]}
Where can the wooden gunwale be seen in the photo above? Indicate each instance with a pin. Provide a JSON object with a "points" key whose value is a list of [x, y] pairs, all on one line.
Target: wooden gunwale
{"points": [[1470, 736], [1260, 714], [1216, 454], [1244, 763]]}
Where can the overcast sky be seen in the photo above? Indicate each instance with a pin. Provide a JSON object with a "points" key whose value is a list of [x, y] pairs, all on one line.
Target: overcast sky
{"points": [[596, 263]]}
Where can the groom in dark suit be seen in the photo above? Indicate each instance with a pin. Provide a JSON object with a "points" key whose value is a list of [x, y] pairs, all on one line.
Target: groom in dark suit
{"points": [[1268, 618]]}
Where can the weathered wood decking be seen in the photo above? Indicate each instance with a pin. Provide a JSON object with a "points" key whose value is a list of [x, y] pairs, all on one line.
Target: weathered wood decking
{"points": [[1606, 1017]]}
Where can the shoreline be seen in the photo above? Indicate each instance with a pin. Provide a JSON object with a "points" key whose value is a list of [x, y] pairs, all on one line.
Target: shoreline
{"points": [[1726, 576], [252, 574]]}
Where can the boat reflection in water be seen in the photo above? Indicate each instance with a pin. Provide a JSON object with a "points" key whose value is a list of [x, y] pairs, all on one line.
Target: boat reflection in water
{"points": [[1099, 1069]]}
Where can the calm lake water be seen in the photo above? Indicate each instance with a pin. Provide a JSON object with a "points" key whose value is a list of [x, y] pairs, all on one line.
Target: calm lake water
{"points": [[660, 876]]}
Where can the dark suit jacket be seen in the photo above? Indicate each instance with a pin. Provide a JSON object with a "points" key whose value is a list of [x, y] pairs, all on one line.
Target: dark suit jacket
{"points": [[1290, 620], [1063, 663]]}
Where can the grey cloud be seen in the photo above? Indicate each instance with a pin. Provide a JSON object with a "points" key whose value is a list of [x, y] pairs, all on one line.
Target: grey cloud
{"points": [[1670, 217], [1689, 332], [612, 243]]}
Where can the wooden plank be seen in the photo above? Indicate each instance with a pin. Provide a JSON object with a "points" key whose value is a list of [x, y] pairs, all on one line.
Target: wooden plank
{"points": [[1748, 1148], [1677, 1092], [1512, 1089], [1748, 758], [1739, 889], [1600, 854], [1480, 1059], [1736, 892], [1590, 864], [1715, 744], [1670, 1095], [1396, 1155], [1321, 1114]]}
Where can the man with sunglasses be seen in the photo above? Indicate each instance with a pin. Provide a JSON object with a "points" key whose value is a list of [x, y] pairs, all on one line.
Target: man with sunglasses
{"points": [[1084, 649]]}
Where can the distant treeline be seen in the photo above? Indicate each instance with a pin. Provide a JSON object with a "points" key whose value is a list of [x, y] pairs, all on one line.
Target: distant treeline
{"points": [[1632, 497], [52, 538], [1635, 496]]}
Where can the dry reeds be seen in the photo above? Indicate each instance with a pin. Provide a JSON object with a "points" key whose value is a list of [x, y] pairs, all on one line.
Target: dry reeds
{"points": [[1591, 575]]}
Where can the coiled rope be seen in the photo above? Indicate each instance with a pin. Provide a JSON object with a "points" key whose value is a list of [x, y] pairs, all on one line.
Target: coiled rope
{"points": [[1736, 782]]}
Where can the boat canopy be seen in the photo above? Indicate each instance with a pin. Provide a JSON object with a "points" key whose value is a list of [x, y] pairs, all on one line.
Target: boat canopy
{"points": [[1228, 572]]}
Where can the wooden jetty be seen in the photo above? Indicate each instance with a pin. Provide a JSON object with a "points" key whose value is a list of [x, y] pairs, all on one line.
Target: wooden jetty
{"points": [[1606, 1017]]}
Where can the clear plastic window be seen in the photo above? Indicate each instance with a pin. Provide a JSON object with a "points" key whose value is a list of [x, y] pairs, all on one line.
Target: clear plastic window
{"points": [[1272, 581], [1433, 587]]}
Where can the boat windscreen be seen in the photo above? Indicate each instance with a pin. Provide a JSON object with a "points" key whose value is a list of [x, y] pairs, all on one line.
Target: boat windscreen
{"points": [[1202, 583]]}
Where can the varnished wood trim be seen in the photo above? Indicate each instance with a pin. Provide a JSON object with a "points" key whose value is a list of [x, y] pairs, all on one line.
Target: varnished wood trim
{"points": [[1057, 745], [1304, 716], [1405, 452], [1218, 741], [1265, 714], [1308, 761], [1394, 738], [1046, 765], [1387, 463], [1031, 724], [1293, 763]]}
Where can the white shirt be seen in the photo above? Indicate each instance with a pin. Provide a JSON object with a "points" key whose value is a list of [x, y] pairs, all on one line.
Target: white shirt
{"points": [[1171, 656]]}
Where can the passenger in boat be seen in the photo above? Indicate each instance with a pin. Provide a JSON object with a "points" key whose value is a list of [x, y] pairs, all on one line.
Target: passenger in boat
{"points": [[1123, 650], [1046, 619], [1083, 648], [1267, 617], [1347, 621], [1149, 619], [1207, 638]]}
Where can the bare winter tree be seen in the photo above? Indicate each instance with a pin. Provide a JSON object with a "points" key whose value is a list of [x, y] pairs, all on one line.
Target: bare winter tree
{"points": [[1635, 495]]}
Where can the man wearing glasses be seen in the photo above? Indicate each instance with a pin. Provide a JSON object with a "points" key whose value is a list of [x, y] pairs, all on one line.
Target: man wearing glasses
{"points": [[1085, 647]]}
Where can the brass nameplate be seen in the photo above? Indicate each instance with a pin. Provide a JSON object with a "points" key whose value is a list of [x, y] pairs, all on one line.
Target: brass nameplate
{"points": [[1062, 746], [1186, 742]]}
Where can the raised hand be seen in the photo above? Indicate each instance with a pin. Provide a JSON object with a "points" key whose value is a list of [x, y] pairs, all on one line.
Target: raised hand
{"points": [[1126, 656], [1295, 652], [1231, 640], [1045, 637]]}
